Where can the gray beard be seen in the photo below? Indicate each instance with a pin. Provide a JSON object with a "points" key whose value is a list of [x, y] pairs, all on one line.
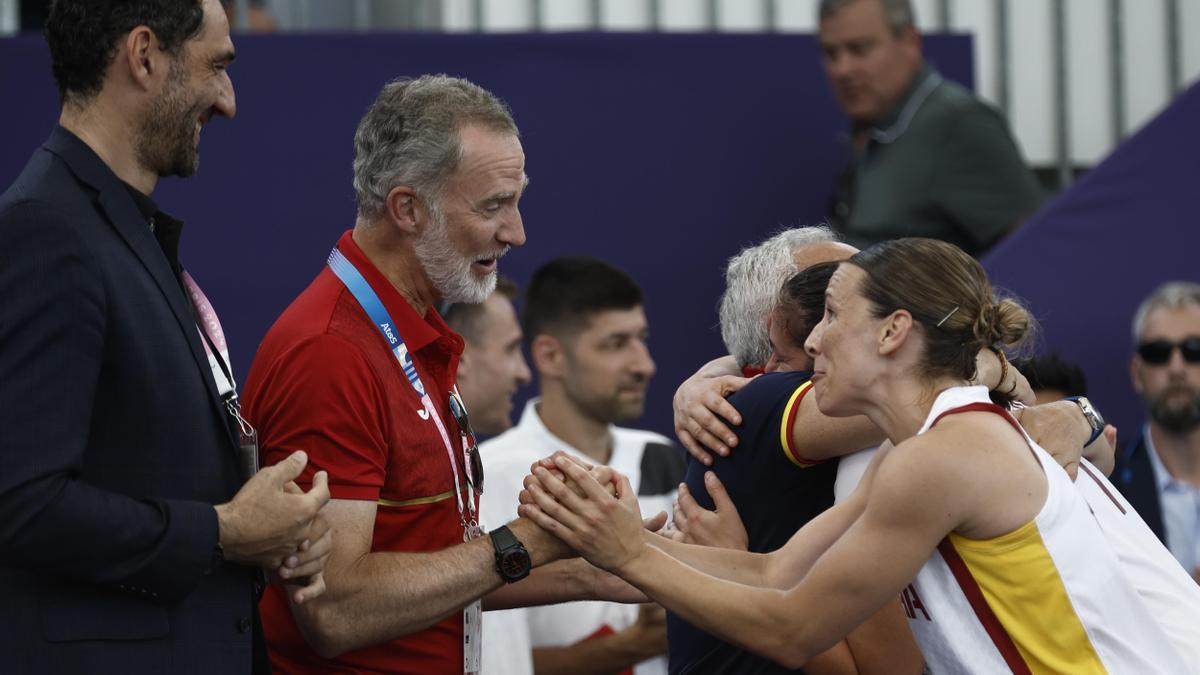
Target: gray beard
{"points": [[447, 269], [1175, 419]]}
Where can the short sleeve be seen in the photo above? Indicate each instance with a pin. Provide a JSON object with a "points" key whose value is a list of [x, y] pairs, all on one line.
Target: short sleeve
{"points": [[321, 396]]}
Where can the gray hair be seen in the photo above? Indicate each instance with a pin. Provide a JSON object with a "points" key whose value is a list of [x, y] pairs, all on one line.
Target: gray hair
{"points": [[1172, 295], [752, 282], [898, 13], [410, 136]]}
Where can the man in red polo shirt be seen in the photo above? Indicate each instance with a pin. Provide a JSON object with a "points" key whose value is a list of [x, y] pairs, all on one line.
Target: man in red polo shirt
{"points": [[359, 372]]}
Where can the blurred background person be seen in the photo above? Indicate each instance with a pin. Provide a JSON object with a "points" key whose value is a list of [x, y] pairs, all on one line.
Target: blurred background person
{"points": [[928, 157], [1052, 378], [586, 328], [1159, 470], [492, 366]]}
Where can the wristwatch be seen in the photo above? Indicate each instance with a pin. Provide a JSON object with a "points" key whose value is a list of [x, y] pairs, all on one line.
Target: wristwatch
{"points": [[512, 560], [1093, 417]]}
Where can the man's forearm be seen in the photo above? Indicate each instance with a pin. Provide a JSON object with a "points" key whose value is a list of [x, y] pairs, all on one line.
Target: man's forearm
{"points": [[383, 596]]}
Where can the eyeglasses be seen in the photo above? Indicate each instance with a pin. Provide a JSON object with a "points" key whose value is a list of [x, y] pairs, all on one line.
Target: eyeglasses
{"points": [[464, 425], [1158, 352]]}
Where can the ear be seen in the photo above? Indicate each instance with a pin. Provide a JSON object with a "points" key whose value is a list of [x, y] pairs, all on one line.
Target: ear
{"points": [[1135, 374], [549, 357], [893, 333], [142, 58], [404, 209]]}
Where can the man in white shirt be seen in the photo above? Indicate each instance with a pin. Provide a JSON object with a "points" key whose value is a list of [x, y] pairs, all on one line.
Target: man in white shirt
{"points": [[586, 329]]}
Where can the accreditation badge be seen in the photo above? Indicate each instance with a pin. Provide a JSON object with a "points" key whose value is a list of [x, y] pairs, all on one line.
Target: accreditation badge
{"points": [[472, 637]]}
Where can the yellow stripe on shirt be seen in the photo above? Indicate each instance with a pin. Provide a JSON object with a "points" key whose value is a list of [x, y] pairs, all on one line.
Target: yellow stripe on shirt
{"points": [[1024, 589], [785, 427]]}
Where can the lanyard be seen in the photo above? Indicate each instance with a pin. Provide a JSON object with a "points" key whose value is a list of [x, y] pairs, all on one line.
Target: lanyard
{"points": [[369, 301], [213, 338]]}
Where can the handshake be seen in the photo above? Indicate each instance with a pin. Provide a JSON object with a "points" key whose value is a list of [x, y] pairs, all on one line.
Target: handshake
{"points": [[591, 509]]}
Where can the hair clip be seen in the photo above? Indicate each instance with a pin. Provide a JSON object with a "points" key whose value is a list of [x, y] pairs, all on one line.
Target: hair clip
{"points": [[944, 318]]}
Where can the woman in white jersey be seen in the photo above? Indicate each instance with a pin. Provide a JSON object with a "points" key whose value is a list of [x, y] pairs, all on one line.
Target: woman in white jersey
{"points": [[996, 558]]}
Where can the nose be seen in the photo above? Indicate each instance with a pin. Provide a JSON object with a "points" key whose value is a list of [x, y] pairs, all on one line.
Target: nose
{"points": [[837, 66], [812, 346], [512, 230], [1177, 364], [226, 103], [643, 364], [523, 376], [773, 364]]}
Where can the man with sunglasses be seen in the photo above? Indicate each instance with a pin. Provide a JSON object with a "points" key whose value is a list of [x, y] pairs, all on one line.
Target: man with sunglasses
{"points": [[1159, 470]]}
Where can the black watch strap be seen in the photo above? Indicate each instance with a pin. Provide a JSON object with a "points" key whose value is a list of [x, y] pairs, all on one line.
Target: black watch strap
{"points": [[512, 560], [503, 539]]}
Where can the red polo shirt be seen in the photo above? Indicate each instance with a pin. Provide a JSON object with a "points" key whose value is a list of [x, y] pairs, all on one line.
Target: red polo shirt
{"points": [[325, 381]]}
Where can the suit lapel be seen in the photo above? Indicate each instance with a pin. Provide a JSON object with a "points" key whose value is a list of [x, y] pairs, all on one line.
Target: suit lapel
{"points": [[121, 212]]}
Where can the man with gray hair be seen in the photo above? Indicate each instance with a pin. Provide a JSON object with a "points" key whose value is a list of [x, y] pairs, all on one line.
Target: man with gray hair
{"points": [[778, 479], [752, 282], [929, 159], [360, 372], [1159, 471]]}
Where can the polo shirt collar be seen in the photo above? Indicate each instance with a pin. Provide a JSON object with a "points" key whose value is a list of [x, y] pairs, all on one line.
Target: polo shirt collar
{"points": [[895, 123], [1161, 476], [418, 332], [531, 424]]}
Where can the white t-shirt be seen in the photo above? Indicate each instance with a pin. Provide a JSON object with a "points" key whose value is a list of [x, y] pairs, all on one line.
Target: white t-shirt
{"points": [[510, 635]]}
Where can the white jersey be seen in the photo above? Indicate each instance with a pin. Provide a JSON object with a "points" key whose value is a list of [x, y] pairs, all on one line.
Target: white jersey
{"points": [[1048, 597], [850, 472], [654, 467], [1170, 592]]}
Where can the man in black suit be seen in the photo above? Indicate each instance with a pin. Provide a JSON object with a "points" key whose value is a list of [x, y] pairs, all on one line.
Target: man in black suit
{"points": [[117, 404], [1159, 471]]}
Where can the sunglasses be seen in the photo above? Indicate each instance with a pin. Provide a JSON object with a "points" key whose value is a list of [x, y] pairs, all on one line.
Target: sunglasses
{"points": [[1158, 352], [464, 425]]}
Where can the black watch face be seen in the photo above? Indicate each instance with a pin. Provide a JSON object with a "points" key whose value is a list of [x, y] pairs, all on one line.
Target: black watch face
{"points": [[515, 564]]}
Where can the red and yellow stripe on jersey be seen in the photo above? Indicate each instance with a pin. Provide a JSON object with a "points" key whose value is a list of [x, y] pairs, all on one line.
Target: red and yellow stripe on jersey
{"points": [[789, 420]]}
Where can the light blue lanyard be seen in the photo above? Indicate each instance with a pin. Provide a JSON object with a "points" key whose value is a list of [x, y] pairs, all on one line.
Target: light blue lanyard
{"points": [[373, 306]]}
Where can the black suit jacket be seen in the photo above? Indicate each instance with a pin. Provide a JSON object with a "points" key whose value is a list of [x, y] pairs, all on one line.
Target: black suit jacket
{"points": [[113, 444], [1134, 477]]}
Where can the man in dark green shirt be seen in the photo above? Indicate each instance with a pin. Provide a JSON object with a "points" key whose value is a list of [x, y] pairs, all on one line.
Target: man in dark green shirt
{"points": [[929, 158]]}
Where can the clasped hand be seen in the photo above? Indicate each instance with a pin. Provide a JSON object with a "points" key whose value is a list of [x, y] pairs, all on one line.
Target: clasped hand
{"points": [[273, 523], [594, 511]]}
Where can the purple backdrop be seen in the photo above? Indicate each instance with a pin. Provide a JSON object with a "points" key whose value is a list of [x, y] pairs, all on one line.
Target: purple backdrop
{"points": [[663, 153], [1088, 258]]}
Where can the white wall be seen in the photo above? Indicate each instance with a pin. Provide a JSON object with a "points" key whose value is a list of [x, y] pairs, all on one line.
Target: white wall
{"points": [[1030, 67]]}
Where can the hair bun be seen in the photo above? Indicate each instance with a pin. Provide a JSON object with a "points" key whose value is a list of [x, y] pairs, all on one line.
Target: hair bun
{"points": [[1012, 322]]}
